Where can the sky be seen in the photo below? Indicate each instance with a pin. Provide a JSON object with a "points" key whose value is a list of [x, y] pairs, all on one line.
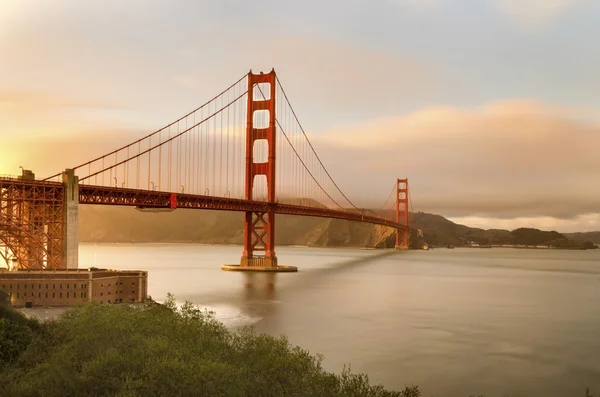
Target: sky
{"points": [[489, 107]]}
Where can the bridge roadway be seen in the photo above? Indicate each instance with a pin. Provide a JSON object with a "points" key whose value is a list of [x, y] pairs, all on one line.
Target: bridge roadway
{"points": [[103, 195]]}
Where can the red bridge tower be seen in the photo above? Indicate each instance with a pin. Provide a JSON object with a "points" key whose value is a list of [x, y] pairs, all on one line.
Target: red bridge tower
{"points": [[402, 213], [259, 226]]}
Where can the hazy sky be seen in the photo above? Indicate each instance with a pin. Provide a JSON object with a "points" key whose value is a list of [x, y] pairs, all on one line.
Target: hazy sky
{"points": [[489, 107]]}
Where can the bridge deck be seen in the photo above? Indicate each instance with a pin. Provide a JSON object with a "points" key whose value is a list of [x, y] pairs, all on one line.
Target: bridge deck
{"points": [[102, 195]]}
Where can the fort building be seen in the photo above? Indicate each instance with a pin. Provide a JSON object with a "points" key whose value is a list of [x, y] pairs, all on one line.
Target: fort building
{"points": [[68, 287]]}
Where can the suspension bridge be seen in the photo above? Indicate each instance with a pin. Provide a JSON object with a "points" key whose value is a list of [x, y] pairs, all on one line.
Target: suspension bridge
{"points": [[244, 150]]}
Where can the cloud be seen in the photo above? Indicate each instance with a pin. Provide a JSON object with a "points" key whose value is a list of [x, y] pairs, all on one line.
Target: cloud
{"points": [[186, 81], [417, 6], [31, 113], [39, 100], [48, 154], [342, 75], [505, 159], [324, 74], [534, 12], [525, 12]]}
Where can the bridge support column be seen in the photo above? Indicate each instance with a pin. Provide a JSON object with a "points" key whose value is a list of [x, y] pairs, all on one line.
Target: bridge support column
{"points": [[259, 226], [402, 213], [31, 250], [70, 231]]}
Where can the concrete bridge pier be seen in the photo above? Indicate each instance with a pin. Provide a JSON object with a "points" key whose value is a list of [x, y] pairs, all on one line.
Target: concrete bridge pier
{"points": [[70, 228]]}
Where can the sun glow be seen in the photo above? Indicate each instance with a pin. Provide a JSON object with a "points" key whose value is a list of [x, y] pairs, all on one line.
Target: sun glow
{"points": [[6, 164], [10, 11]]}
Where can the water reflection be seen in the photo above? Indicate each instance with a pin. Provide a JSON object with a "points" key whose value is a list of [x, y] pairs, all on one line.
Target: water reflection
{"points": [[258, 298], [267, 296], [259, 286]]}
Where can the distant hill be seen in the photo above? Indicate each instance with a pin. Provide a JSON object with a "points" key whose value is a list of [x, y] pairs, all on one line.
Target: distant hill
{"points": [[594, 237], [439, 231], [125, 224]]}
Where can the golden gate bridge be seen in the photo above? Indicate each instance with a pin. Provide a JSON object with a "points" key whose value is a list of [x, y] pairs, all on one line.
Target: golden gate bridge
{"points": [[244, 150]]}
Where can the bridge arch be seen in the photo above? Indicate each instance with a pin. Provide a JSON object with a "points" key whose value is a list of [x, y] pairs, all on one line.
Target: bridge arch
{"points": [[19, 239]]}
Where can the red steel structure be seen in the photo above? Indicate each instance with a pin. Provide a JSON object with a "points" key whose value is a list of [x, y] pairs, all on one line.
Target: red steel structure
{"points": [[402, 235], [244, 150], [259, 226], [31, 223]]}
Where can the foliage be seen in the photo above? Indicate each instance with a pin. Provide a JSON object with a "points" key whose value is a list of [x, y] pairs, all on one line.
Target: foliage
{"points": [[14, 317], [14, 339], [588, 245], [530, 236], [4, 298], [16, 332], [123, 350]]}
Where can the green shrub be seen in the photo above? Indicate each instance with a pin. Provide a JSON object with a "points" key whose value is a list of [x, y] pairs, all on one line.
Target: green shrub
{"points": [[122, 350]]}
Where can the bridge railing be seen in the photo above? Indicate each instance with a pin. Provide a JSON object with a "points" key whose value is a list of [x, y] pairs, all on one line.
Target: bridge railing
{"points": [[18, 179]]}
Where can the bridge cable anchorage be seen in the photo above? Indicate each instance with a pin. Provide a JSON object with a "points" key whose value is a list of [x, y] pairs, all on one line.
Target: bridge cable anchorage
{"points": [[155, 132]]}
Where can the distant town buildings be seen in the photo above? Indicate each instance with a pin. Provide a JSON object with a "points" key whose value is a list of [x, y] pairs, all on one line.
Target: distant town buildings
{"points": [[473, 244]]}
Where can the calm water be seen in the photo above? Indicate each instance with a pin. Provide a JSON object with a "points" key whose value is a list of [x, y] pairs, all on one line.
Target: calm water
{"points": [[456, 322]]}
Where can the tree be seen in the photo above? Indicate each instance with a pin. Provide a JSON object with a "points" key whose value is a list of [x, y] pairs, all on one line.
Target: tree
{"points": [[16, 332], [4, 298], [588, 245], [14, 340]]}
